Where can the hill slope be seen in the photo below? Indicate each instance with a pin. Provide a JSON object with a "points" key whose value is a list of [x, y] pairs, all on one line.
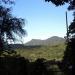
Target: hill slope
{"points": [[55, 40]]}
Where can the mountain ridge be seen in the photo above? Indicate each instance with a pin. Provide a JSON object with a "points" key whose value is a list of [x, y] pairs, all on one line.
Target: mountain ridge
{"points": [[54, 40]]}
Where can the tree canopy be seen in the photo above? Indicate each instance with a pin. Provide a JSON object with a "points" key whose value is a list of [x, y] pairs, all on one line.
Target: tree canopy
{"points": [[69, 54], [7, 1], [9, 25], [71, 6], [62, 2]]}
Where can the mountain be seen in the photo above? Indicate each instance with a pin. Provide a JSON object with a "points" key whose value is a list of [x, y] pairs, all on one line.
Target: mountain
{"points": [[55, 40]]}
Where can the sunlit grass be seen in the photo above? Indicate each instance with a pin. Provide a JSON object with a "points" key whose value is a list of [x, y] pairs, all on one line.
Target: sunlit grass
{"points": [[47, 52]]}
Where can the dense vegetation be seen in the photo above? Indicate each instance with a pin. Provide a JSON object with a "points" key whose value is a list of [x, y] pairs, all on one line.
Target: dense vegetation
{"points": [[15, 65], [47, 52]]}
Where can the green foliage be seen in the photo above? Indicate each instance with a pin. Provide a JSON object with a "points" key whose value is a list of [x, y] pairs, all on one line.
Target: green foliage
{"points": [[69, 54], [72, 27], [47, 52], [62, 2], [10, 26], [7, 1]]}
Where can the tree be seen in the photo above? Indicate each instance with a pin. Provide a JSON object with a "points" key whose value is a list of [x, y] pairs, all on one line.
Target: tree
{"points": [[69, 55], [9, 26], [7, 1], [62, 2], [70, 7]]}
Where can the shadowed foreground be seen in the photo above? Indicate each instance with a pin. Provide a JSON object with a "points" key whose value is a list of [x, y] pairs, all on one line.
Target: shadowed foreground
{"points": [[20, 66]]}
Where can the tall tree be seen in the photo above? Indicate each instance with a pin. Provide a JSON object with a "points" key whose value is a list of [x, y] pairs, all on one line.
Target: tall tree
{"points": [[9, 26], [69, 54], [71, 6]]}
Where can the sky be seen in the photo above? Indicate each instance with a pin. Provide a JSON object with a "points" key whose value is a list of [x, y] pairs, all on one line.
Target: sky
{"points": [[42, 19]]}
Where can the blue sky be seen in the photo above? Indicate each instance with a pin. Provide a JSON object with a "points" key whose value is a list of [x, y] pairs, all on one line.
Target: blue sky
{"points": [[43, 19]]}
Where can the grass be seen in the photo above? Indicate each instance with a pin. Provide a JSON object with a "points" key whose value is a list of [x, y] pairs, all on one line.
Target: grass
{"points": [[47, 52]]}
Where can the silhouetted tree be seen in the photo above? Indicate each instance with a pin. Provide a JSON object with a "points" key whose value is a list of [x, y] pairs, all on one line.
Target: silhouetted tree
{"points": [[9, 26], [71, 6], [69, 55], [62, 2], [72, 28], [7, 1]]}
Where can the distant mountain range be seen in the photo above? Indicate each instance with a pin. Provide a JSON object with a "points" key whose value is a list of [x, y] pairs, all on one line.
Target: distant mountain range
{"points": [[55, 40], [52, 41]]}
